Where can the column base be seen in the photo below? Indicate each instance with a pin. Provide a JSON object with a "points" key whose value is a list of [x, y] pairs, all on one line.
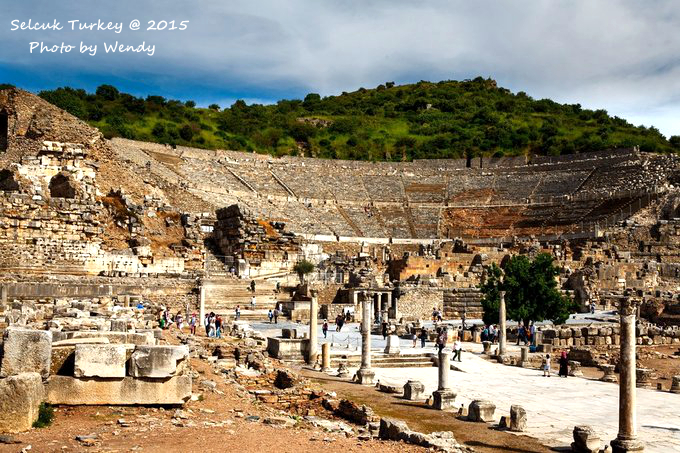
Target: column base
{"points": [[443, 399], [626, 445], [366, 376]]}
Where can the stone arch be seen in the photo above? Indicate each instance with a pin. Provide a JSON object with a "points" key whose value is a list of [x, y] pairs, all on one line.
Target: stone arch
{"points": [[4, 130], [61, 186], [7, 182]]}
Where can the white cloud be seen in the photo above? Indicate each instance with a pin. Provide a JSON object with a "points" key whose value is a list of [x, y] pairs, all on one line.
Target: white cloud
{"points": [[618, 55]]}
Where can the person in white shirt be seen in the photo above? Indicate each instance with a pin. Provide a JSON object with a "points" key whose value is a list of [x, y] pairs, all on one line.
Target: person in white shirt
{"points": [[457, 349]]}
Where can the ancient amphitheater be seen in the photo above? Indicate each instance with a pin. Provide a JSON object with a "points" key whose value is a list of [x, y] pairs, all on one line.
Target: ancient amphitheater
{"points": [[91, 229]]}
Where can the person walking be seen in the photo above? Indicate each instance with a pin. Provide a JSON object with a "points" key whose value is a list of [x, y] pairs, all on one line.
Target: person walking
{"points": [[252, 286], [341, 322], [192, 323], [532, 330], [276, 315], [252, 302], [457, 349], [546, 365], [423, 337], [414, 337], [218, 326], [270, 315], [206, 323], [324, 328], [564, 365], [237, 312], [384, 330]]}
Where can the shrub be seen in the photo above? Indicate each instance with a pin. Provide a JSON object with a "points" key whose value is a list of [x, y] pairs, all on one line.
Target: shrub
{"points": [[45, 416]]}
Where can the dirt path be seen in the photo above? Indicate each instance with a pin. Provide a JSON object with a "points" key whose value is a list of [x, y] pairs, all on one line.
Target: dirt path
{"points": [[479, 436]]}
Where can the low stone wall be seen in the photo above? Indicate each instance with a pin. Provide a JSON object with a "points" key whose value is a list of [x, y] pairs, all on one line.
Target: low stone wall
{"points": [[605, 335], [417, 303]]}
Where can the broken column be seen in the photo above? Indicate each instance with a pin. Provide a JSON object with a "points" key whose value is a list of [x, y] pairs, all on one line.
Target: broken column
{"points": [[392, 346], [413, 390], [518, 418], [325, 357], [524, 357], [585, 440], [443, 397], [501, 327], [609, 375], [365, 375], [627, 440], [313, 330], [643, 378]]}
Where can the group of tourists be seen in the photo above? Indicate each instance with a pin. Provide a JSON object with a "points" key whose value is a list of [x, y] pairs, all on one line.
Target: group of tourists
{"points": [[436, 315], [340, 320], [167, 319], [273, 315], [213, 325], [490, 333], [526, 334]]}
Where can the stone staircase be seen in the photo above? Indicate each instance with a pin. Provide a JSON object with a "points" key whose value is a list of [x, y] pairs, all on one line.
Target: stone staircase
{"points": [[222, 295]]}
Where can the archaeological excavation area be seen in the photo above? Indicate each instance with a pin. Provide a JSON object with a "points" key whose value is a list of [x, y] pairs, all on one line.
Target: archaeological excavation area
{"points": [[111, 249]]}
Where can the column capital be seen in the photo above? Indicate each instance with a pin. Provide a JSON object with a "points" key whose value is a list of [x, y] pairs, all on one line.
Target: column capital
{"points": [[628, 305]]}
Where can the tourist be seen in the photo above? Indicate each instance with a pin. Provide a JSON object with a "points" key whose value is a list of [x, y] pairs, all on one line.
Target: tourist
{"points": [[161, 322], [492, 333], [439, 316], [237, 312], [384, 330], [270, 315], [252, 286], [434, 314], [179, 319], [218, 326], [341, 322], [521, 335], [211, 326], [462, 320], [192, 324], [532, 333], [206, 323], [423, 337], [592, 308], [276, 315], [457, 349], [278, 287], [252, 302], [546, 365], [564, 365], [485, 333], [348, 315], [414, 336], [324, 328]]}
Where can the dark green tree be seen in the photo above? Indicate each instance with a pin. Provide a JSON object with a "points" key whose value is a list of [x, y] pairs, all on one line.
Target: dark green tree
{"points": [[531, 292]]}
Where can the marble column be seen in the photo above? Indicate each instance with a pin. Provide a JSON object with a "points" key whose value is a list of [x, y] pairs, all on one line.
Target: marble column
{"points": [[627, 440], [501, 326], [366, 375], [443, 398], [313, 330], [325, 357], [201, 305]]}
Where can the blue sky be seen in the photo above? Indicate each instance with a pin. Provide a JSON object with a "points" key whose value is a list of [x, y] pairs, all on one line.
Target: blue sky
{"points": [[623, 56]]}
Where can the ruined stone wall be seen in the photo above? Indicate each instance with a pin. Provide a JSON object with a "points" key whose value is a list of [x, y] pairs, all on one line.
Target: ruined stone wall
{"points": [[417, 302]]}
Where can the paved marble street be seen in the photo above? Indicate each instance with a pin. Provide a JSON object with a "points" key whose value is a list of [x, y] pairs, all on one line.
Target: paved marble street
{"points": [[554, 405]]}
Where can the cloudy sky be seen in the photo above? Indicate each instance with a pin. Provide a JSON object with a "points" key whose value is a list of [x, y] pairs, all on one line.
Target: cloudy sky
{"points": [[622, 55]]}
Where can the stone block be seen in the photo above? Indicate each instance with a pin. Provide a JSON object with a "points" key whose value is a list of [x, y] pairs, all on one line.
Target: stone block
{"points": [[157, 361], [392, 346], [443, 399], [20, 398], [365, 376], [118, 325], [481, 411], [413, 390], [127, 391], [518, 418], [100, 360], [585, 440], [26, 351]]}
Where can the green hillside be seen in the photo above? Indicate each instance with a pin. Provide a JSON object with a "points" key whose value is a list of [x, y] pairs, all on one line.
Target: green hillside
{"points": [[447, 119]]}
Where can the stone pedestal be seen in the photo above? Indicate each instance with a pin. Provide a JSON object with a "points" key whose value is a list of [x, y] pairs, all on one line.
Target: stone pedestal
{"points": [[609, 375], [575, 368], [325, 357], [413, 390], [675, 388], [392, 345], [644, 378], [487, 347], [481, 411], [518, 418], [443, 399], [365, 376], [585, 440], [626, 440]]}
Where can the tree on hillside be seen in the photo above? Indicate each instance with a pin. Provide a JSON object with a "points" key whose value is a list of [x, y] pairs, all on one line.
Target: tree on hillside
{"points": [[531, 291], [303, 268]]}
